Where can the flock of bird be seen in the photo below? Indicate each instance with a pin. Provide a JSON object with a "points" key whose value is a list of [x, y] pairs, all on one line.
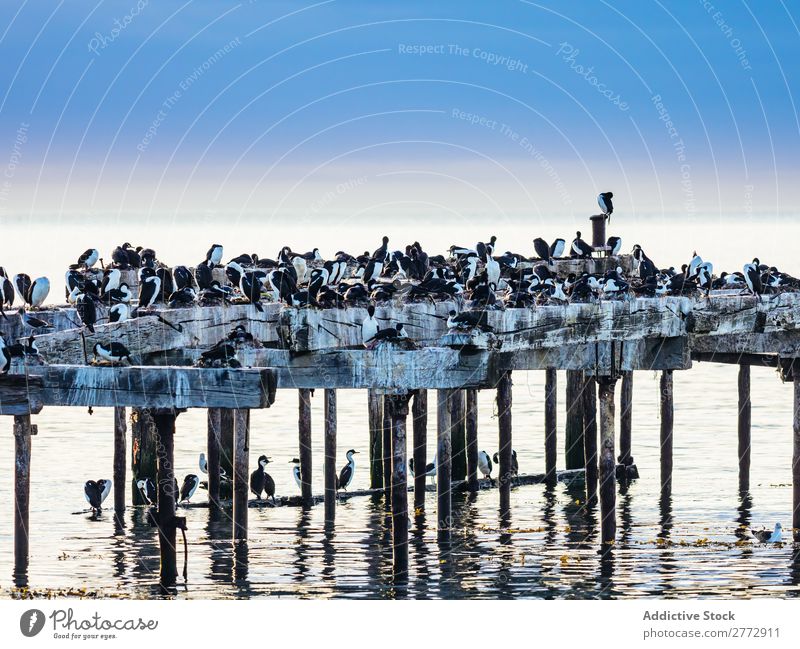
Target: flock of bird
{"points": [[480, 278]]}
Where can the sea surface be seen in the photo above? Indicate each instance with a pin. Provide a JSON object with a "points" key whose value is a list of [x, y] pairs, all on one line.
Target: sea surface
{"points": [[696, 544]]}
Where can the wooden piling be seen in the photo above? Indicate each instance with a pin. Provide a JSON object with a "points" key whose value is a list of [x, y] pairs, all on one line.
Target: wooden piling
{"points": [[796, 461], [375, 408], [22, 495], [443, 474], [504, 441], [386, 454], [241, 473], [119, 469], [398, 406], [472, 439], [590, 438], [214, 423], [608, 493], [550, 424], [226, 434], [626, 418], [164, 422], [330, 456], [143, 451], [419, 424], [573, 438], [304, 435], [667, 416], [744, 427], [458, 435]]}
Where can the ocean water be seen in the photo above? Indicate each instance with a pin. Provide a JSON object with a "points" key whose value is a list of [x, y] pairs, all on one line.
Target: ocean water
{"points": [[681, 548]]}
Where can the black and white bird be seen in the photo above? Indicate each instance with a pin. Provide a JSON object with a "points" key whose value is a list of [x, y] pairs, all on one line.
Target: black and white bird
{"points": [[6, 292], [369, 326], [296, 474], [485, 464], [615, 244], [765, 536], [468, 320], [149, 289], [113, 352], [5, 357], [94, 495], [557, 248], [580, 248], [88, 258], [752, 277], [189, 486], [119, 313], [261, 481], [105, 488], [111, 280], [214, 255], [348, 470], [606, 206], [430, 468], [203, 463], [514, 462], [32, 321], [87, 311], [147, 490]]}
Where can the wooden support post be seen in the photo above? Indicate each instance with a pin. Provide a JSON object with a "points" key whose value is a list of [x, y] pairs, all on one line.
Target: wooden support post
{"points": [[214, 425], [608, 486], [443, 467], [550, 425], [626, 419], [590, 438], [118, 478], [304, 434], [472, 439], [398, 406], [386, 454], [744, 427], [164, 422], [375, 407], [505, 443], [796, 461], [226, 434], [458, 435], [573, 439], [143, 451], [330, 457], [241, 473], [419, 424], [667, 413], [22, 496]]}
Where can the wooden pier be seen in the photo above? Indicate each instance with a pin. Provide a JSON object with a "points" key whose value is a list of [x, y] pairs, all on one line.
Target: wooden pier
{"points": [[599, 345]]}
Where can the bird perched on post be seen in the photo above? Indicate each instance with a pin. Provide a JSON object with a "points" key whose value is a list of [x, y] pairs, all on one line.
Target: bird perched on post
{"points": [[347, 472], [604, 201]]}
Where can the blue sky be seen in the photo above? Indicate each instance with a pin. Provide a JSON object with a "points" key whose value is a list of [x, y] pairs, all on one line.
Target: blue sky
{"points": [[342, 107]]}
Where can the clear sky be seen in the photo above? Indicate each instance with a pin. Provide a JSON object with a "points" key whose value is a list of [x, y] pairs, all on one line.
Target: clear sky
{"points": [[446, 109]]}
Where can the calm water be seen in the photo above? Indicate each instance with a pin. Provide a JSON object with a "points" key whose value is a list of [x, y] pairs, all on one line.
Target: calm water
{"points": [[548, 548]]}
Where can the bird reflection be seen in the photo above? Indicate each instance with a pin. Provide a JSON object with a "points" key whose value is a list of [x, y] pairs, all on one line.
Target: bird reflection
{"points": [[301, 546]]}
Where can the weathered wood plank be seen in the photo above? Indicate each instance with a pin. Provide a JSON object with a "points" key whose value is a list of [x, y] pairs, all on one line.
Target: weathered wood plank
{"points": [[331, 479], [145, 387]]}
